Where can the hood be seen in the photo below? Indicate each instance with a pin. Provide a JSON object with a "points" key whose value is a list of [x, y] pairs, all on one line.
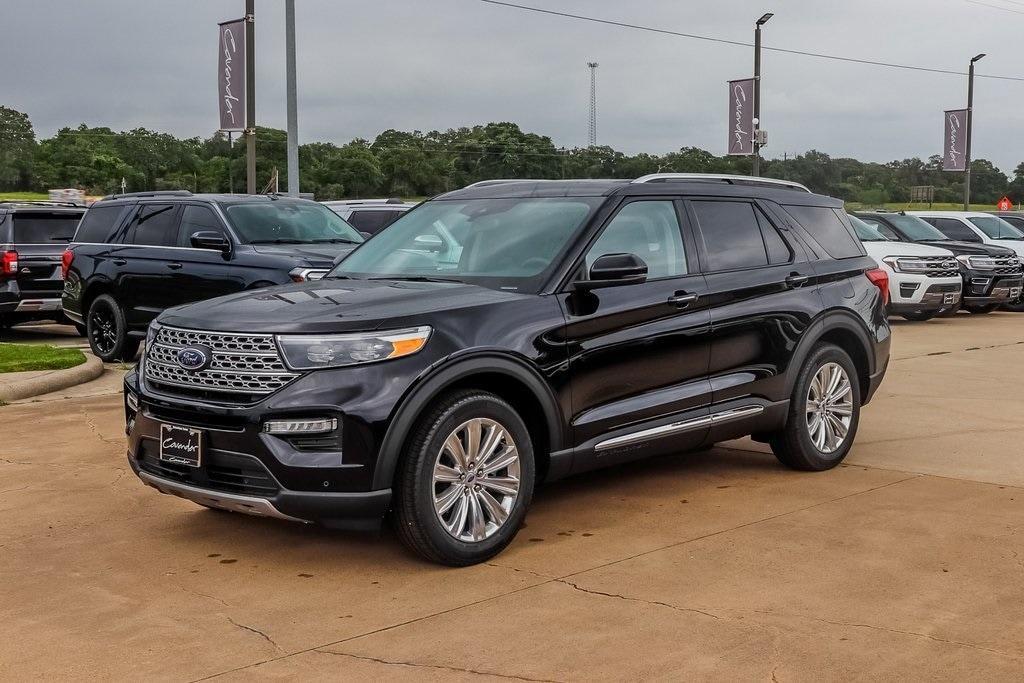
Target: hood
{"points": [[332, 305], [880, 250], [314, 254], [970, 248], [1017, 246]]}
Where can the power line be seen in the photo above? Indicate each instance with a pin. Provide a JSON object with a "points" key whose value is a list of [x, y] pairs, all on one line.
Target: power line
{"points": [[740, 43], [985, 4]]}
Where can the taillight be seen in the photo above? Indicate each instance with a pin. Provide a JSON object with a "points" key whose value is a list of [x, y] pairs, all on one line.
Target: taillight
{"points": [[879, 278], [9, 263], [65, 262]]}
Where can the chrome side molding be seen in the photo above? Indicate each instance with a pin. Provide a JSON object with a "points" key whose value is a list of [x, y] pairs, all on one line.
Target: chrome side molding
{"points": [[678, 427]]}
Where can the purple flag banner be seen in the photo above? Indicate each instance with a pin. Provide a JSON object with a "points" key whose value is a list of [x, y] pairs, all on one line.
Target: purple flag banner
{"points": [[741, 117], [231, 75], [954, 151]]}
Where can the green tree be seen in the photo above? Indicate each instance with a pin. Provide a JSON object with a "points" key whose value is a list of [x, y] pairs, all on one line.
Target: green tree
{"points": [[17, 148]]}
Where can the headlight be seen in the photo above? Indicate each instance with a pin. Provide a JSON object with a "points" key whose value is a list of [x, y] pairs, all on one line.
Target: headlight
{"points": [[151, 333], [986, 262], [909, 264], [307, 274], [309, 352]]}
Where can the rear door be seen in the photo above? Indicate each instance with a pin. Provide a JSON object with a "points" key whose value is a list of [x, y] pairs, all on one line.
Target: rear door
{"points": [[204, 273], [40, 237], [638, 354], [762, 294], [148, 262]]}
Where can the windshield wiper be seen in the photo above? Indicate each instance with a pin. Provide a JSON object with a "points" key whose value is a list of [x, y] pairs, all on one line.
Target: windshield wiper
{"points": [[417, 278], [279, 241], [334, 240]]}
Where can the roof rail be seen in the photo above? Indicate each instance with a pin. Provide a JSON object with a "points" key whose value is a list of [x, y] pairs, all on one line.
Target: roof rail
{"points": [[40, 202], [151, 193], [502, 181], [721, 177]]}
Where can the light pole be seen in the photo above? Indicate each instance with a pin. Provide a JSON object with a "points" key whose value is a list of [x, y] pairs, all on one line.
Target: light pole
{"points": [[970, 123], [757, 90], [290, 87], [250, 96]]}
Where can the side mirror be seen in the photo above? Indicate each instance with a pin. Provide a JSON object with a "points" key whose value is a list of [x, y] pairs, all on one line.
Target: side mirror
{"points": [[210, 239], [429, 242], [615, 270]]}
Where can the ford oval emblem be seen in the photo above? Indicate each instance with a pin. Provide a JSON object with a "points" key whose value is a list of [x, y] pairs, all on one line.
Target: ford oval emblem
{"points": [[193, 357]]}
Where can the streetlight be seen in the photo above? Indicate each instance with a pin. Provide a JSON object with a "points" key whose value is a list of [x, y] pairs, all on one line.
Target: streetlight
{"points": [[970, 122], [757, 90]]}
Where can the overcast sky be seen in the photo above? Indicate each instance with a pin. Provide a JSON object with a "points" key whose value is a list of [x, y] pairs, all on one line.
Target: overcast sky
{"points": [[368, 65]]}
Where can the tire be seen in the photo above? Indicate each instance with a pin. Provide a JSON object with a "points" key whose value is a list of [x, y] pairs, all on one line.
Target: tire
{"points": [[1015, 307], [419, 519], [981, 310], [795, 445], [918, 317], [107, 331]]}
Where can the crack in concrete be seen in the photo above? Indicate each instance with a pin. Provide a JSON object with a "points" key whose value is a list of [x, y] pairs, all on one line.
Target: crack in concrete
{"points": [[973, 348], [642, 600], [95, 430], [517, 569], [204, 595], [21, 488], [440, 667], [256, 631]]}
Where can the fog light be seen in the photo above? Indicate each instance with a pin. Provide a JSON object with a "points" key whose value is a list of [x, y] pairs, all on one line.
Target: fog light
{"points": [[300, 426], [133, 402]]}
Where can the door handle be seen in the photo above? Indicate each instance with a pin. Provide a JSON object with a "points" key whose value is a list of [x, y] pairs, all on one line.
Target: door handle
{"points": [[174, 266], [796, 280], [682, 300], [119, 261]]}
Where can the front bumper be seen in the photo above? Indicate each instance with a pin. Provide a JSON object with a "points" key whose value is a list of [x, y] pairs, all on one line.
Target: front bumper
{"points": [[983, 289], [925, 295]]}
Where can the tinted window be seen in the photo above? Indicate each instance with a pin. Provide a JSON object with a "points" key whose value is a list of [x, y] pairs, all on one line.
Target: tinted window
{"points": [[997, 228], [778, 250], [154, 225], [282, 221], [371, 221], [44, 228], [865, 231], [99, 223], [195, 218], [1015, 221], [954, 229], [881, 227], [649, 230], [732, 235], [828, 229], [915, 229]]}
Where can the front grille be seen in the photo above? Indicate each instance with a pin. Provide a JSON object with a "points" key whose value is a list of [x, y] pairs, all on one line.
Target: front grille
{"points": [[940, 266], [242, 367], [238, 474]]}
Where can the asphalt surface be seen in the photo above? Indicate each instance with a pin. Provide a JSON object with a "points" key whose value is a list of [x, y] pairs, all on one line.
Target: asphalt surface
{"points": [[905, 563]]}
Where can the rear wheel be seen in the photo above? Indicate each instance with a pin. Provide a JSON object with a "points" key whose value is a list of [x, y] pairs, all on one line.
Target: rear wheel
{"points": [[465, 481], [824, 412], [1016, 307], [107, 331], [919, 316], [981, 310]]}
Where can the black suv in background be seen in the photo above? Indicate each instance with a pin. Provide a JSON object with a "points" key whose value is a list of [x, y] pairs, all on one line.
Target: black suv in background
{"points": [[33, 235], [135, 255], [369, 216], [506, 334], [989, 271]]}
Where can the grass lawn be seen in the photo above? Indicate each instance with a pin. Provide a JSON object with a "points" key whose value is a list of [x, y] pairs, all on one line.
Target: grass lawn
{"points": [[23, 196], [22, 357]]}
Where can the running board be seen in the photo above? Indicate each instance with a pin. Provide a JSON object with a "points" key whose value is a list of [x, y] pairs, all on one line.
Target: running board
{"points": [[678, 427]]}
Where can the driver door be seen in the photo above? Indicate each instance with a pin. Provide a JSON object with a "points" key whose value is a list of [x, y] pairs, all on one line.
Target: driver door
{"points": [[639, 353]]}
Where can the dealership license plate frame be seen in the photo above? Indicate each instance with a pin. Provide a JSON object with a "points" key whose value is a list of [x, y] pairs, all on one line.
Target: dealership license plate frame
{"points": [[179, 453], [950, 299]]}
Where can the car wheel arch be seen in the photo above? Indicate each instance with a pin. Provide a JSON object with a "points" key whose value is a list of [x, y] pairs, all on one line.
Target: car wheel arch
{"points": [[845, 331], [97, 288], [508, 377]]}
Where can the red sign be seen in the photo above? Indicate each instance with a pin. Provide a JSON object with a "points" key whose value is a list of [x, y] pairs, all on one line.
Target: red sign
{"points": [[1005, 204]]}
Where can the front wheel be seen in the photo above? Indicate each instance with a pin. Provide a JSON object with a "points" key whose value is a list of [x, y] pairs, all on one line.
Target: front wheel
{"points": [[824, 412], [107, 331], [465, 481]]}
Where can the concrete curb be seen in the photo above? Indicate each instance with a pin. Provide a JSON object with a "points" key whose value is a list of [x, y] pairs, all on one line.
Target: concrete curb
{"points": [[52, 381]]}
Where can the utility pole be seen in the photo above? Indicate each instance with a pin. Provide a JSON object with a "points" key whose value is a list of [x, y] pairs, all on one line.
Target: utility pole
{"points": [[250, 96], [592, 130], [970, 123], [293, 115], [757, 91]]}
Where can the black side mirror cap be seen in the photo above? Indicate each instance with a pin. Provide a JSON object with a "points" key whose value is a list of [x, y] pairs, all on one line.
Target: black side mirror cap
{"points": [[210, 239], [615, 270]]}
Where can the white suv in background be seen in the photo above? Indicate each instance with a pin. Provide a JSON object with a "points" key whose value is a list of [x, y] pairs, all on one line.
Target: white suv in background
{"points": [[924, 281]]}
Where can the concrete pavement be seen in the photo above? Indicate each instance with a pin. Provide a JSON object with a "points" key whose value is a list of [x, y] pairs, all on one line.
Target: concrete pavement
{"points": [[906, 562]]}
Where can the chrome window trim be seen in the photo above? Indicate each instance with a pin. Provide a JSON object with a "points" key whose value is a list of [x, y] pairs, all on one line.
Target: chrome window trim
{"points": [[678, 427]]}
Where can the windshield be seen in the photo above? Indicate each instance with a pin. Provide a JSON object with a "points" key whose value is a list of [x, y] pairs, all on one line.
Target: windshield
{"points": [[497, 243], [865, 232], [289, 222], [917, 229], [997, 228], [44, 228]]}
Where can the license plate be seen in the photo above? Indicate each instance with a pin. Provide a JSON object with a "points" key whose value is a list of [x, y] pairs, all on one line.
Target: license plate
{"points": [[181, 445], [1014, 292], [950, 298]]}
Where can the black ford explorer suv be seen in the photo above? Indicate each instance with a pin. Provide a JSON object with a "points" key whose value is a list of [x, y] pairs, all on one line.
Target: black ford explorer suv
{"points": [[135, 255], [990, 272], [503, 335], [33, 235]]}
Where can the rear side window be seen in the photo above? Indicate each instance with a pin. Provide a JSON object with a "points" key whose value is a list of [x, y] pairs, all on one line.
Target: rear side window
{"points": [[44, 228], [954, 229], [99, 223], [828, 229], [371, 221], [732, 235], [154, 225]]}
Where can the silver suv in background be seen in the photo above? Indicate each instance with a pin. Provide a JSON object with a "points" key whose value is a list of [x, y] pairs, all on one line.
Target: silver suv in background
{"points": [[369, 216]]}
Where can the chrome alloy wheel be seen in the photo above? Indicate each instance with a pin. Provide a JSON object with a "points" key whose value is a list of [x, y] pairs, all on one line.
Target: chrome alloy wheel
{"points": [[476, 479], [829, 407]]}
